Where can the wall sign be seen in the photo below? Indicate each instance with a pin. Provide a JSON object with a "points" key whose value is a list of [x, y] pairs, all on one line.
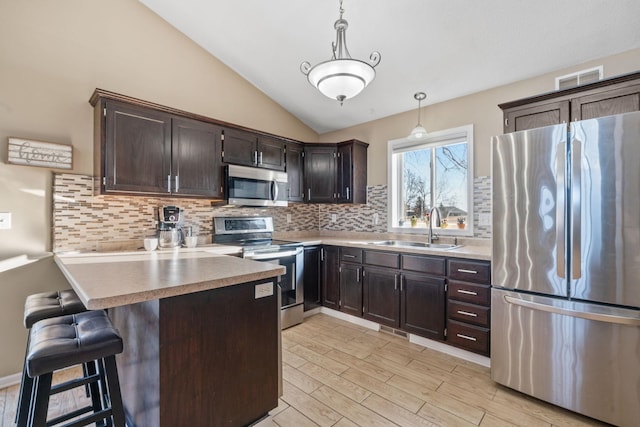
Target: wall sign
{"points": [[38, 153]]}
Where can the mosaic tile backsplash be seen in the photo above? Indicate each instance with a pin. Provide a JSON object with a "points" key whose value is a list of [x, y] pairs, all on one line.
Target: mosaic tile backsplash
{"points": [[84, 222]]}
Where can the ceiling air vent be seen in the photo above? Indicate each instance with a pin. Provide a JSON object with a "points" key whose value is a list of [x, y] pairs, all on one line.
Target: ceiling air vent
{"points": [[580, 78]]}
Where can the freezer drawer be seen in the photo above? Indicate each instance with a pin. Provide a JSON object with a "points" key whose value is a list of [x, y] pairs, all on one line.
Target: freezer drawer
{"points": [[580, 356]]}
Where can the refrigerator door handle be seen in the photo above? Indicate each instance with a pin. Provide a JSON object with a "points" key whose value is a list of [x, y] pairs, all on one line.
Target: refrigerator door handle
{"points": [[560, 212], [600, 317], [576, 206]]}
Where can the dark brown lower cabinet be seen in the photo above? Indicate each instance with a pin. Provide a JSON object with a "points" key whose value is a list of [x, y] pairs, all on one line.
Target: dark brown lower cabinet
{"points": [[351, 289], [381, 293], [423, 305], [312, 278], [330, 257], [204, 359]]}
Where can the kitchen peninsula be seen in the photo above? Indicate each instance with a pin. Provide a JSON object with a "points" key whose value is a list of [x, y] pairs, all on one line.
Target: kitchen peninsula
{"points": [[200, 331]]}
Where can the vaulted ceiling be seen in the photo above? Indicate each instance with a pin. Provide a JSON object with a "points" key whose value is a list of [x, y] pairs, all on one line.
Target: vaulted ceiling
{"points": [[446, 48]]}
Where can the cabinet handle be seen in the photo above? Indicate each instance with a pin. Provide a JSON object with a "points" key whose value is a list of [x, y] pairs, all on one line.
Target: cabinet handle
{"points": [[401, 283], [462, 291], [322, 254], [348, 256], [168, 183], [255, 157], [260, 159], [466, 337], [308, 194], [467, 313], [462, 270], [395, 282], [358, 275], [177, 182], [347, 193]]}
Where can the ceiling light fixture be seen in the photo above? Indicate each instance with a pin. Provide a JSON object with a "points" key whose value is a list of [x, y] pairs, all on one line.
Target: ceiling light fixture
{"points": [[341, 77], [418, 132]]}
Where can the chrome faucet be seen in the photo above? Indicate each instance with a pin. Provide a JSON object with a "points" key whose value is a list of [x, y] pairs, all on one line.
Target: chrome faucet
{"points": [[433, 237]]}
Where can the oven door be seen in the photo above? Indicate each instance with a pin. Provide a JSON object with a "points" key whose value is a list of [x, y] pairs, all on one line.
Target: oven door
{"points": [[256, 187]]}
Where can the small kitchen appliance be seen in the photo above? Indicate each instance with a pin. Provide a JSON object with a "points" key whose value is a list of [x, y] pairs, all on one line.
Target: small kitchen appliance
{"points": [[169, 233]]}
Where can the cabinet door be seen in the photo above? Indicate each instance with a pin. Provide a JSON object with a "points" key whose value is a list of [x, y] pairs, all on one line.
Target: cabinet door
{"points": [[381, 296], [312, 274], [423, 305], [344, 177], [330, 257], [294, 158], [270, 153], [351, 289], [137, 149], [239, 147], [196, 161], [536, 116], [618, 101], [320, 174]]}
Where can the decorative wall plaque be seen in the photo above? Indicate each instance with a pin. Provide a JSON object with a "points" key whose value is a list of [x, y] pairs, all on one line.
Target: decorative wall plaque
{"points": [[38, 153]]}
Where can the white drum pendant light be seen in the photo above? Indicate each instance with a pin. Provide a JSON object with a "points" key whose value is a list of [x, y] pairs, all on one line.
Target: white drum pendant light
{"points": [[341, 77]]}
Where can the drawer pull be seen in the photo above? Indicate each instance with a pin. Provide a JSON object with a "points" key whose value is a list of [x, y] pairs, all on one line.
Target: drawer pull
{"points": [[462, 270], [467, 313], [466, 337], [348, 256], [462, 291]]}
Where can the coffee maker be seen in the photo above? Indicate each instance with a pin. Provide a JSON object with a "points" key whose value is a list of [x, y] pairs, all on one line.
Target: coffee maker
{"points": [[169, 232]]}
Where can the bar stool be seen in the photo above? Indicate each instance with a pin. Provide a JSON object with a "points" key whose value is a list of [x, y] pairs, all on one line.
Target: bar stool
{"points": [[70, 340], [37, 307]]}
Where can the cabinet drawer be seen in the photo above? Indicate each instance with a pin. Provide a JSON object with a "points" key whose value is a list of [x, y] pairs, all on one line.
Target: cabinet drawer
{"points": [[469, 313], [470, 271], [473, 338], [383, 259], [424, 264], [470, 292], [351, 255]]}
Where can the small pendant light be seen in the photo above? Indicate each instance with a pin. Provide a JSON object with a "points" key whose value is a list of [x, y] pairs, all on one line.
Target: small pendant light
{"points": [[418, 132]]}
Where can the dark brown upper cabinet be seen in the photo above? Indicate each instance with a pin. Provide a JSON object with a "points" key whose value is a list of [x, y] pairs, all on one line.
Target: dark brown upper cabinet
{"points": [[320, 173], [294, 166], [251, 149], [144, 150], [603, 98], [336, 173]]}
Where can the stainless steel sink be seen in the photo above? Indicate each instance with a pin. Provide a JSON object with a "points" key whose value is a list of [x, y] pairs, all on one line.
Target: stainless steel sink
{"points": [[401, 243]]}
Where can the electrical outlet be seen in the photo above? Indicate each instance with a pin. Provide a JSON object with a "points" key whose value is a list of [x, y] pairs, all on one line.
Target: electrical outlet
{"points": [[334, 217], [288, 218], [375, 218], [263, 290], [5, 220]]}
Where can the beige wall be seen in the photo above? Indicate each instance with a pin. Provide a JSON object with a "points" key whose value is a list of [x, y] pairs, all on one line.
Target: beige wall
{"points": [[53, 54], [480, 109]]}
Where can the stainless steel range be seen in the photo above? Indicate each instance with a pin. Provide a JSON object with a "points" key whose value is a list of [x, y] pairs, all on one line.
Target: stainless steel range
{"points": [[255, 236]]}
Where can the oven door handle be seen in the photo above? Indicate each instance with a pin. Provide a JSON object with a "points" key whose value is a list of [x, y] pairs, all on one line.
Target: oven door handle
{"points": [[274, 255], [274, 190]]}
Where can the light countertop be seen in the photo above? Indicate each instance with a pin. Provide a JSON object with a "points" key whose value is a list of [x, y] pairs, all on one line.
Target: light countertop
{"points": [[105, 280]]}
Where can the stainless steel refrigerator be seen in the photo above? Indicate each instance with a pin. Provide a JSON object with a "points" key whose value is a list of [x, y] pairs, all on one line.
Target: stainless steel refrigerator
{"points": [[565, 313]]}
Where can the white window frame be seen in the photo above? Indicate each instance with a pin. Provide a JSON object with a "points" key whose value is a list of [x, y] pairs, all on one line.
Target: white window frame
{"points": [[394, 169]]}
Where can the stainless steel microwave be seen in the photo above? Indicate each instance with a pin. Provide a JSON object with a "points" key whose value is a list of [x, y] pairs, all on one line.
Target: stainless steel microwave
{"points": [[255, 187]]}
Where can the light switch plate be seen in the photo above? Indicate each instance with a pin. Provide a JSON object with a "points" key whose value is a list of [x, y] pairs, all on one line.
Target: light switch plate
{"points": [[264, 290], [484, 219], [288, 218], [5, 220], [334, 217]]}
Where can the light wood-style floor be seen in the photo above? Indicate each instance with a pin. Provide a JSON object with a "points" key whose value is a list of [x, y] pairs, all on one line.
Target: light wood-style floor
{"points": [[340, 374]]}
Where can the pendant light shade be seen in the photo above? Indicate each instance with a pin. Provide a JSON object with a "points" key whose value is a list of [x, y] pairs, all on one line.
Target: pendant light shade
{"points": [[341, 77], [419, 131]]}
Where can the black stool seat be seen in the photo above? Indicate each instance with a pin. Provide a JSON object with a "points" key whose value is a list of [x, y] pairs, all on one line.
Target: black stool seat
{"points": [[86, 338], [71, 340], [51, 304]]}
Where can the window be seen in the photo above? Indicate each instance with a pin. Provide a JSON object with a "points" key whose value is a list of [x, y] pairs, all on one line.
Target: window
{"points": [[436, 171]]}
